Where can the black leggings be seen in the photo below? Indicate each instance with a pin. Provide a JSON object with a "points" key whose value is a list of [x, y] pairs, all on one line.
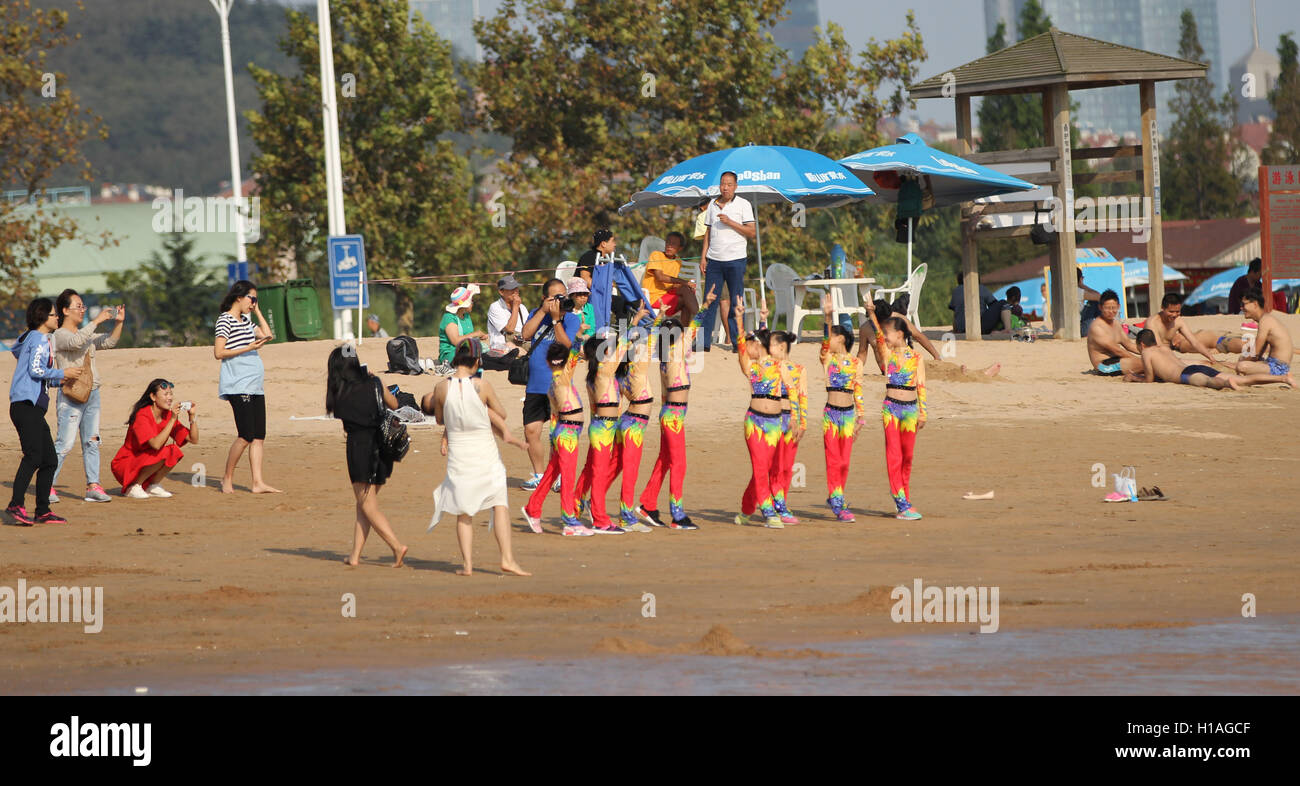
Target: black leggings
{"points": [[39, 457], [250, 416]]}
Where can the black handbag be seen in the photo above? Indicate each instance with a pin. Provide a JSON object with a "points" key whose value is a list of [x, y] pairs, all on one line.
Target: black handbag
{"points": [[393, 440], [518, 372]]}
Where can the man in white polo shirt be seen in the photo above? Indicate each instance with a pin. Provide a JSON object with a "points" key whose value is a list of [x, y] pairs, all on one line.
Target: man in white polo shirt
{"points": [[730, 223], [505, 319]]}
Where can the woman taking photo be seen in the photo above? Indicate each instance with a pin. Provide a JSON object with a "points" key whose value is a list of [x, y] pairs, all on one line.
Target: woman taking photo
{"points": [[352, 395], [476, 478], [145, 457], [75, 346], [238, 340], [28, 402]]}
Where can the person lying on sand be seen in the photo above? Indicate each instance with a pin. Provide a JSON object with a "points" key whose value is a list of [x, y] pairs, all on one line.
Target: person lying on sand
{"points": [[1110, 351], [1160, 364], [1273, 348], [1171, 330]]}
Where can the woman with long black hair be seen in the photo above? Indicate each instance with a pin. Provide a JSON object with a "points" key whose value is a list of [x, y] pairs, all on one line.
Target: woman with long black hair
{"points": [[352, 394], [145, 457], [242, 373]]}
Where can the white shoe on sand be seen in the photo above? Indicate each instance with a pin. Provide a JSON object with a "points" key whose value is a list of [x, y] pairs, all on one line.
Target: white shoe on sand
{"points": [[135, 492], [158, 491]]}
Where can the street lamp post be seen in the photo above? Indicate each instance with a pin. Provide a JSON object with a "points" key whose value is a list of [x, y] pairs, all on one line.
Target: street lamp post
{"points": [[333, 165], [240, 270]]}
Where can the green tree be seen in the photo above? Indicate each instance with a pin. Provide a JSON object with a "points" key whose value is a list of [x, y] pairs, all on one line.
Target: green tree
{"points": [[1284, 145], [617, 93], [161, 295], [406, 187], [1196, 157], [1014, 122], [42, 129]]}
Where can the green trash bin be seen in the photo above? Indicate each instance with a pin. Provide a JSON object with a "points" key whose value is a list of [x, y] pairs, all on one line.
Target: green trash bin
{"points": [[271, 300], [302, 305]]}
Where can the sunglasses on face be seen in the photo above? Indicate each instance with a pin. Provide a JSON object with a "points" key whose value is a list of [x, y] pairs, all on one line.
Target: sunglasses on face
{"points": [[252, 299], [165, 386]]}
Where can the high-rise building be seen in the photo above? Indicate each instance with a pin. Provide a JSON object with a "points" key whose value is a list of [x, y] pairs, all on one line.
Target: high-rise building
{"points": [[1264, 69], [1153, 25], [795, 32], [454, 21]]}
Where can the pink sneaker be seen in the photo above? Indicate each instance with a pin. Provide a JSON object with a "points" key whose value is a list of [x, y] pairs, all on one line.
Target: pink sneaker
{"points": [[1115, 496], [845, 516], [789, 518]]}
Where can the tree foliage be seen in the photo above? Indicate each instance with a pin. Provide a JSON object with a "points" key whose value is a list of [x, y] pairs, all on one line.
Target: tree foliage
{"points": [[1196, 157], [1284, 145], [614, 94], [42, 129], [406, 187], [165, 297]]}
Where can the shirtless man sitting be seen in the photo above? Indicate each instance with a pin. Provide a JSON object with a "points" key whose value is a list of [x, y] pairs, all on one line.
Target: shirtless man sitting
{"points": [[1160, 364], [1111, 352], [1171, 330], [1273, 348]]}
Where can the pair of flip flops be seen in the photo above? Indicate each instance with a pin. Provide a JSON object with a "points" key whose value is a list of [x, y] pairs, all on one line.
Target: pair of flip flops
{"points": [[1153, 494]]}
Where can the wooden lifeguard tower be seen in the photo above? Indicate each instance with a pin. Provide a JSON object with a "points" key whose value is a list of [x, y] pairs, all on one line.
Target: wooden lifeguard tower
{"points": [[1053, 64]]}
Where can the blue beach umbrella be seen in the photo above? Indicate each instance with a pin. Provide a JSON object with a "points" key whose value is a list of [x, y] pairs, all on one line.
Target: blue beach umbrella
{"points": [[1137, 274], [1220, 285], [953, 179], [764, 174]]}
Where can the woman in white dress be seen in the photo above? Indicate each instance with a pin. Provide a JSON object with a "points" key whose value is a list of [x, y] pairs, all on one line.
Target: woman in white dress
{"points": [[470, 412]]}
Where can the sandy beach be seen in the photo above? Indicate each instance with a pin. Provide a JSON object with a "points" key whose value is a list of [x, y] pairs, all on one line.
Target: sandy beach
{"points": [[206, 583]]}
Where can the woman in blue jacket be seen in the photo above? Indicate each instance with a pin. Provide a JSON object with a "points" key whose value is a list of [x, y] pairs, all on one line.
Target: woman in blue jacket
{"points": [[28, 402]]}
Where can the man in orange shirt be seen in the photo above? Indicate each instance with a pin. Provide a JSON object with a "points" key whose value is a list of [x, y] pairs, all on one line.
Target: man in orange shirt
{"points": [[668, 293]]}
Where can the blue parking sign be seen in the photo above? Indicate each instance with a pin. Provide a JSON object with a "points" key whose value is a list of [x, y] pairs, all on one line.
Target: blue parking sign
{"points": [[347, 255]]}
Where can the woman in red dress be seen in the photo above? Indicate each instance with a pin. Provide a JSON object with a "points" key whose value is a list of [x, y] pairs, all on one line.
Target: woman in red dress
{"points": [[145, 458]]}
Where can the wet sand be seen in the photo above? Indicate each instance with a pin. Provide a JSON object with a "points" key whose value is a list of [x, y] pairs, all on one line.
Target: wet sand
{"points": [[208, 584]]}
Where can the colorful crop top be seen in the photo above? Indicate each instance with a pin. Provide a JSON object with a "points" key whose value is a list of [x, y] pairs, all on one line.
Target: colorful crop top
{"points": [[901, 368], [798, 396], [764, 375], [843, 373]]}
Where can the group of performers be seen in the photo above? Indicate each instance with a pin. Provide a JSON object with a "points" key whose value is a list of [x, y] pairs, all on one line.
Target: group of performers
{"points": [[618, 372]]}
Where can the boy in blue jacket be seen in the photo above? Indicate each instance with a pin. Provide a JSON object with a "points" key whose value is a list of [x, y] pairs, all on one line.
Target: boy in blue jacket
{"points": [[28, 402]]}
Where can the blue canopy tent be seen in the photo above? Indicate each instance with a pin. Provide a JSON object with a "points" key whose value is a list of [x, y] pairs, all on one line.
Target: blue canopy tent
{"points": [[1217, 287], [952, 180], [764, 174]]}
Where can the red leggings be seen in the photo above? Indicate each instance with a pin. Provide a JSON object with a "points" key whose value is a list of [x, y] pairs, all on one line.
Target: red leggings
{"points": [[900, 439], [631, 439], [783, 465], [838, 425], [762, 433], [564, 462], [671, 462], [601, 467]]}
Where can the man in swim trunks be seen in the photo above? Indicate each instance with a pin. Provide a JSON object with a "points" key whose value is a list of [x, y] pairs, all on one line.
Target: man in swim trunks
{"points": [[1170, 329], [1160, 364], [1273, 348], [1111, 352]]}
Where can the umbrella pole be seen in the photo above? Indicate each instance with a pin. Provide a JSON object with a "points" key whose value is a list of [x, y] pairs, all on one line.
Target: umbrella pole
{"points": [[758, 242], [909, 249]]}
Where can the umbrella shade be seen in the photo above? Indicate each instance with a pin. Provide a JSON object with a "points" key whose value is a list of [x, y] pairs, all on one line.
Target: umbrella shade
{"points": [[952, 179], [1220, 286], [1136, 273], [763, 174]]}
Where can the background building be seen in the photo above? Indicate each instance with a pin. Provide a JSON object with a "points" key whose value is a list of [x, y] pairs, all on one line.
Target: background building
{"points": [[1153, 25], [454, 21]]}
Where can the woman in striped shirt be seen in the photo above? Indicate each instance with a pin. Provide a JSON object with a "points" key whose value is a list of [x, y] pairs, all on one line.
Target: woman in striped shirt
{"points": [[238, 340]]}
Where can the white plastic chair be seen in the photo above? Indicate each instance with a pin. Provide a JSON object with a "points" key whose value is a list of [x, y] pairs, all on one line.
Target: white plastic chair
{"points": [[780, 280], [913, 289], [565, 270], [649, 245]]}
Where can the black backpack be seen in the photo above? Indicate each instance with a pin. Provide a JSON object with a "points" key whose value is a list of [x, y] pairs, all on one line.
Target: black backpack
{"points": [[403, 356]]}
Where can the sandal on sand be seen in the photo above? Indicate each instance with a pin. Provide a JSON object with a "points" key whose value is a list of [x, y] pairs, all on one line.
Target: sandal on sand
{"points": [[973, 495], [1153, 494]]}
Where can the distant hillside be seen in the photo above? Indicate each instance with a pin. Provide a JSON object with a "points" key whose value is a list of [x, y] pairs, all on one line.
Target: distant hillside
{"points": [[153, 70]]}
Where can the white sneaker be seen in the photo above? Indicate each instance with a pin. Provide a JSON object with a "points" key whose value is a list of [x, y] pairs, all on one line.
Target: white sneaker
{"points": [[135, 492], [535, 524], [158, 491]]}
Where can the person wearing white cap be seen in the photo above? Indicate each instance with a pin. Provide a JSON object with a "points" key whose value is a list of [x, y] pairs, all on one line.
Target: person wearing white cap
{"points": [[505, 319], [375, 329], [581, 294], [456, 326]]}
